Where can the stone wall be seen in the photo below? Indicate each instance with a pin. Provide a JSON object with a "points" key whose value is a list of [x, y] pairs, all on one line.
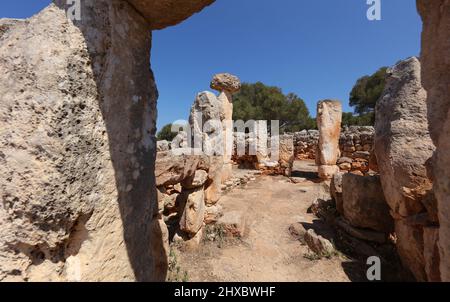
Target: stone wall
{"points": [[355, 144], [305, 144]]}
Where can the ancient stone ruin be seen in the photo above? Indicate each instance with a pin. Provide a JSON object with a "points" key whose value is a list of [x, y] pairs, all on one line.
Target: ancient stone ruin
{"points": [[329, 118], [89, 195], [78, 146], [435, 79]]}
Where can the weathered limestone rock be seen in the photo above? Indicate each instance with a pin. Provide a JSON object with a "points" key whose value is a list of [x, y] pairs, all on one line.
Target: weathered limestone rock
{"points": [[189, 242], [213, 190], [364, 203], [207, 109], [160, 252], [207, 129], [164, 13], [329, 118], [402, 140], [298, 231], [78, 149], [363, 234], [410, 247], [402, 148], [213, 213], [234, 223], [261, 141], [318, 244], [431, 253], [286, 154], [194, 212], [171, 169], [197, 180], [336, 191], [435, 79], [226, 84], [326, 172]]}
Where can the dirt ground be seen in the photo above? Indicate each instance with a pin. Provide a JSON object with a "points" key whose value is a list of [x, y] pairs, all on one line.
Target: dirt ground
{"points": [[269, 252]]}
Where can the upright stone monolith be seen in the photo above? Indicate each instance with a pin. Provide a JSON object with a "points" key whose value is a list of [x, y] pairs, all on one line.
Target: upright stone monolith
{"points": [[329, 119], [226, 84], [402, 147]]}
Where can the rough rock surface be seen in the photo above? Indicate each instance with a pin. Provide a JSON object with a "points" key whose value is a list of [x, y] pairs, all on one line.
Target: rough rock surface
{"points": [[402, 147], [226, 84], [402, 141], [329, 118], [336, 191], [171, 169], [318, 244], [364, 203], [436, 79], [194, 211], [286, 154], [207, 109], [163, 13], [78, 119]]}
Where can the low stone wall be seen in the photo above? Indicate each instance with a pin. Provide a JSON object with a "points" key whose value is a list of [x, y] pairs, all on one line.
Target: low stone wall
{"points": [[355, 144], [305, 144], [282, 166]]}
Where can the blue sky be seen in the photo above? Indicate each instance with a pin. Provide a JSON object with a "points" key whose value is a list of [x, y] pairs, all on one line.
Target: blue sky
{"points": [[314, 48]]}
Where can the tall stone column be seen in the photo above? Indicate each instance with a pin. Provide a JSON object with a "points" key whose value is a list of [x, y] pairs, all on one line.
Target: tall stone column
{"points": [[402, 147], [329, 119], [226, 84], [435, 79], [77, 121]]}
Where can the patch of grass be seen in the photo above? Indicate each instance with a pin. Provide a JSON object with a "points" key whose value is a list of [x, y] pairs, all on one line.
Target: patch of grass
{"points": [[175, 273], [312, 256], [215, 233]]}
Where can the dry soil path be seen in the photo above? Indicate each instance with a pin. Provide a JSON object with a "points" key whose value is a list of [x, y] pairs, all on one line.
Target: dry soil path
{"points": [[268, 252]]}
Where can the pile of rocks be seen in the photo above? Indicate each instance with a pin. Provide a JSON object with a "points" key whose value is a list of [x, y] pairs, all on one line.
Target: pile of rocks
{"points": [[187, 197], [305, 144], [356, 145]]}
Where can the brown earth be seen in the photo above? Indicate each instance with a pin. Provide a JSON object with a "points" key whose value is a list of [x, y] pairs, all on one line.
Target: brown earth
{"points": [[269, 252]]}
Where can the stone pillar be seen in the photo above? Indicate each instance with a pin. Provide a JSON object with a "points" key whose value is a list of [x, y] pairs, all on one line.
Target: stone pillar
{"points": [[402, 147], [286, 154], [329, 119], [207, 129], [226, 84], [436, 79], [78, 150]]}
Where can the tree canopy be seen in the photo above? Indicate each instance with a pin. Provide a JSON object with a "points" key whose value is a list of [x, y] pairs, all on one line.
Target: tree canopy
{"points": [[166, 133], [261, 102], [364, 97], [367, 91]]}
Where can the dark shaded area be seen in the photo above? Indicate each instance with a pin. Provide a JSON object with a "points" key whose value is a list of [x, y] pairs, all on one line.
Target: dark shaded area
{"points": [[312, 176]]}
